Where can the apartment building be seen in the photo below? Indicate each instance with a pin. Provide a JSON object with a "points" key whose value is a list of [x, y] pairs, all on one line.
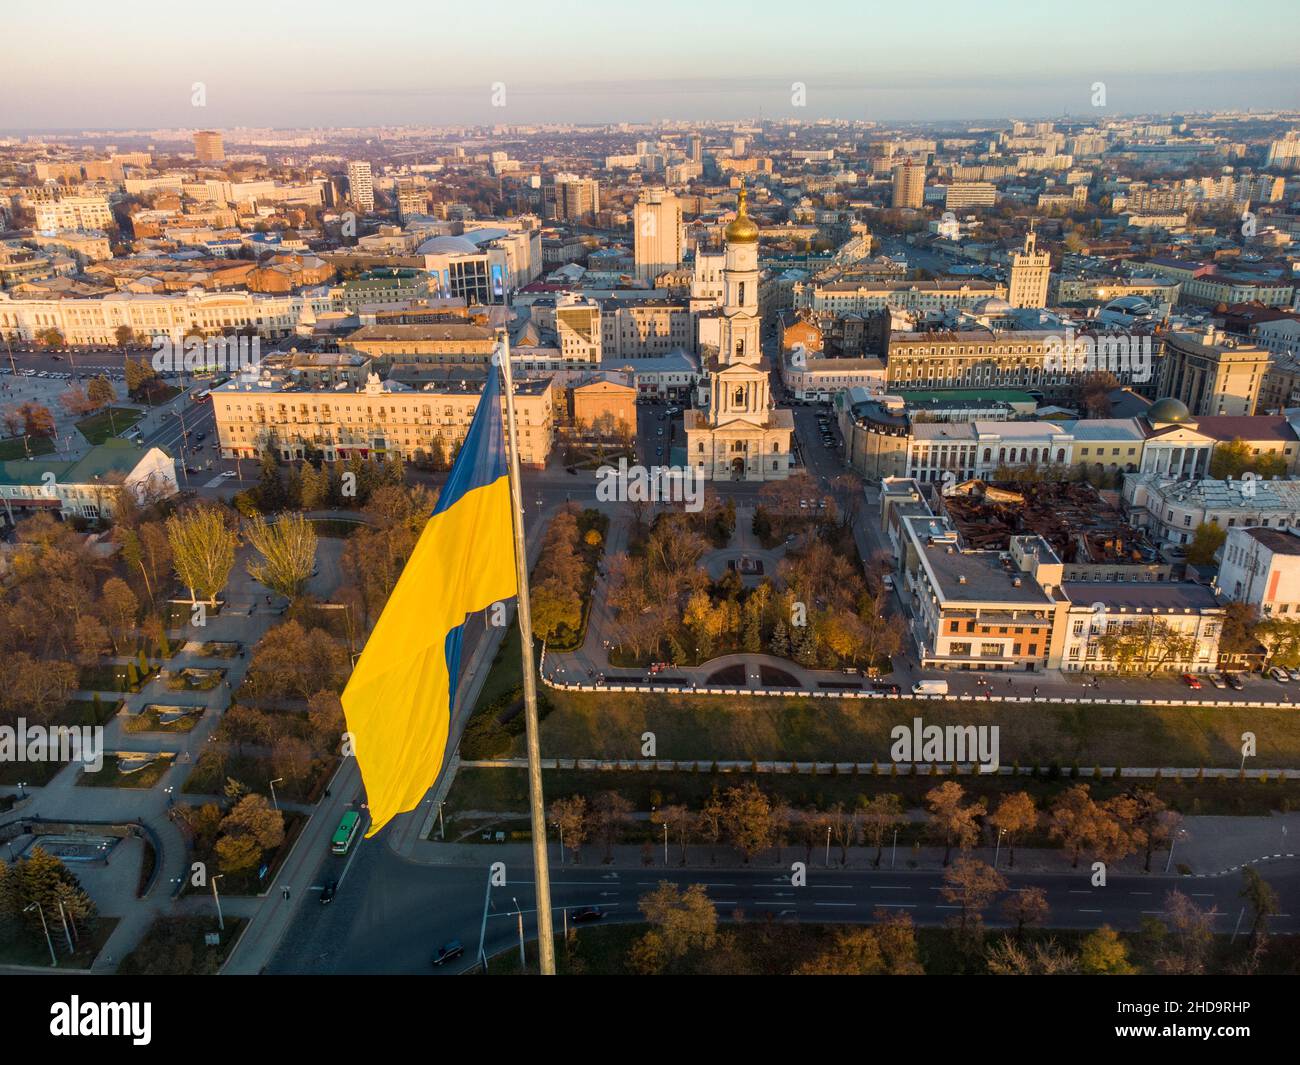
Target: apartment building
{"points": [[1261, 566], [74, 212], [379, 419], [361, 185], [658, 234]]}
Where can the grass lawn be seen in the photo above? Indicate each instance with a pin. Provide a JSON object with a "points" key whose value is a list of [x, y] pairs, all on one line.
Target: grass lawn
{"points": [[111, 422], [111, 776], [174, 946], [112, 677], [13, 447], [605, 725], [31, 948], [150, 721], [88, 712]]}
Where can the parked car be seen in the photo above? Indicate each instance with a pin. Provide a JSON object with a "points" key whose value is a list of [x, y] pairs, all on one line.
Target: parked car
{"points": [[1191, 681], [449, 951], [1279, 674], [1234, 681], [886, 687], [1217, 680]]}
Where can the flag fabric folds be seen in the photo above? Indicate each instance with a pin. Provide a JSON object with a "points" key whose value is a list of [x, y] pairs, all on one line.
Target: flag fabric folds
{"points": [[399, 700]]}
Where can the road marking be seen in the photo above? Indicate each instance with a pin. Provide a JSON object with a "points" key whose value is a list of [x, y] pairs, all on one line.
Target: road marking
{"points": [[897, 905], [1090, 911], [834, 903], [888, 887]]}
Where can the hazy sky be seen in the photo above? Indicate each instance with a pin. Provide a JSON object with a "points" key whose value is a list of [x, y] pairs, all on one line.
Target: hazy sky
{"points": [[328, 63]]}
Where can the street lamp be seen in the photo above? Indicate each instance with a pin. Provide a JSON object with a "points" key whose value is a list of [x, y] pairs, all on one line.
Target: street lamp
{"points": [[275, 802], [46, 929], [520, 914], [998, 848], [216, 897]]}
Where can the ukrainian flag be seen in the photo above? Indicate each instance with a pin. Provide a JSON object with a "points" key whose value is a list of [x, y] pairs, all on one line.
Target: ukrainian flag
{"points": [[398, 703]]}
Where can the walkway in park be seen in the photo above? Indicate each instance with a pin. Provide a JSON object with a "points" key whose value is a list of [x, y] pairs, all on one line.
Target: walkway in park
{"points": [[244, 618]]}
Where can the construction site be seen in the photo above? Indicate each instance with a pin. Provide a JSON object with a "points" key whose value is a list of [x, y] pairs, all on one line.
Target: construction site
{"points": [[1087, 531]]}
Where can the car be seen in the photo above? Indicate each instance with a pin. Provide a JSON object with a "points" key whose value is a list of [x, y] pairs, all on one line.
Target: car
{"points": [[1217, 680], [228, 473], [587, 913], [659, 451], [888, 581], [886, 687], [1295, 674], [1191, 681], [449, 951], [328, 892], [1234, 681], [659, 432], [200, 437], [1279, 674], [192, 470]]}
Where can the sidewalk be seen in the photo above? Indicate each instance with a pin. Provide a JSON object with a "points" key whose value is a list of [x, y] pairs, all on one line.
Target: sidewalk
{"points": [[1207, 849]]}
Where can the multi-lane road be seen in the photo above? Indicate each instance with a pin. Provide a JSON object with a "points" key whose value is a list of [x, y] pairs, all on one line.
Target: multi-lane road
{"points": [[391, 915]]}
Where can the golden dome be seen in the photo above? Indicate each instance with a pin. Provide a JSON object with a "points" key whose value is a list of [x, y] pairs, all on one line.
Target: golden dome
{"points": [[742, 229]]}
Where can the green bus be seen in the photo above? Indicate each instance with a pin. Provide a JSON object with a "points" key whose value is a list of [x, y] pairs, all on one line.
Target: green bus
{"points": [[346, 832]]}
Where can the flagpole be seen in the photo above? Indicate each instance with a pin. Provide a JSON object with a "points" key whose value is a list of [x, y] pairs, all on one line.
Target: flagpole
{"points": [[541, 868]]}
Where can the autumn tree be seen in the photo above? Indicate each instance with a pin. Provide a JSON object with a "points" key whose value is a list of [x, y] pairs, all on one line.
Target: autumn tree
{"points": [[970, 885], [203, 550], [287, 551], [747, 818], [610, 813], [1015, 815], [1025, 906], [956, 824], [681, 922], [677, 820], [570, 818], [1261, 899], [1190, 936], [1042, 958], [881, 815], [1103, 953]]}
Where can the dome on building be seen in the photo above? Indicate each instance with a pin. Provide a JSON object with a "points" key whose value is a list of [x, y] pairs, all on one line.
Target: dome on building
{"points": [[1168, 411], [447, 246], [742, 230], [993, 305]]}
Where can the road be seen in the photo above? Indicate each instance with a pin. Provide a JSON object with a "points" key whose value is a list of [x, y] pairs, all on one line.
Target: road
{"points": [[391, 915]]}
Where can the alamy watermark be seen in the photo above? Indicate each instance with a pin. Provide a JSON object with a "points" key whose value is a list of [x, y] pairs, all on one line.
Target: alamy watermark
{"points": [[195, 354], [1126, 355], [651, 484], [946, 744], [55, 743]]}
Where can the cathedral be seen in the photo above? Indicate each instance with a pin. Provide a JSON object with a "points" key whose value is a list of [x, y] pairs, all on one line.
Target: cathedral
{"points": [[740, 435]]}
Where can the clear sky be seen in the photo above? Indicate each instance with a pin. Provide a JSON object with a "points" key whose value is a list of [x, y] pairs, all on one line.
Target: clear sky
{"points": [[131, 63]]}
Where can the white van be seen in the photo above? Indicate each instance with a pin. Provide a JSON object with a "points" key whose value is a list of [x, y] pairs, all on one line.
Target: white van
{"points": [[930, 687]]}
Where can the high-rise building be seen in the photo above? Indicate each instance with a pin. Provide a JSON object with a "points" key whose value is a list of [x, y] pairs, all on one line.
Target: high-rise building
{"points": [[1211, 373], [361, 185], [909, 185], [1030, 275], [576, 198], [658, 236], [695, 151], [208, 146], [412, 198]]}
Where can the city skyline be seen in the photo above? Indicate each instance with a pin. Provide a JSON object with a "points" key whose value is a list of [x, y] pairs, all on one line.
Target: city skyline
{"points": [[577, 65]]}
